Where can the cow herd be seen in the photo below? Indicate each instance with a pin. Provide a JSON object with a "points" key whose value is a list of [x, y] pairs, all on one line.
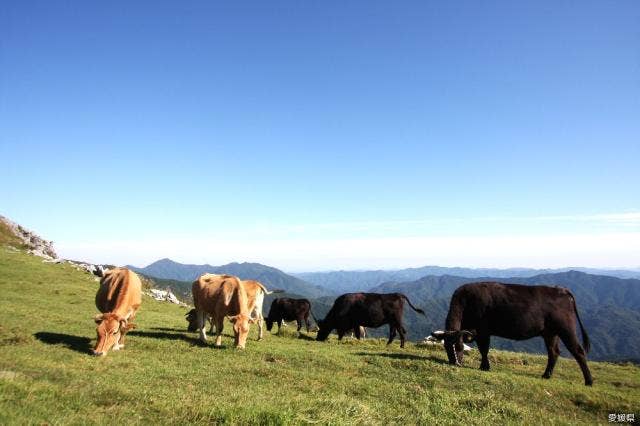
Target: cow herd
{"points": [[477, 311]]}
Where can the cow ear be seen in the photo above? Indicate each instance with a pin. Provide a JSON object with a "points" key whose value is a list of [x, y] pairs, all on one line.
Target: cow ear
{"points": [[252, 320], [233, 319], [98, 318], [468, 336], [131, 326], [123, 323]]}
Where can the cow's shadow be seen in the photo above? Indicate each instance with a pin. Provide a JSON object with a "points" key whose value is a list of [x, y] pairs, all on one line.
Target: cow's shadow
{"points": [[76, 343], [303, 336], [173, 334], [168, 329], [167, 335], [413, 357]]}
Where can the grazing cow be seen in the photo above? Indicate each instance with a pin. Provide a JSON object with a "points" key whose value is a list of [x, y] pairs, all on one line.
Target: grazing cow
{"points": [[481, 310], [118, 298], [352, 310], [287, 309], [255, 296], [219, 296]]}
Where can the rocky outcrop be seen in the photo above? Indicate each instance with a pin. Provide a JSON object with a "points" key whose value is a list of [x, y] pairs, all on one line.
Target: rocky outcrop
{"points": [[33, 242]]}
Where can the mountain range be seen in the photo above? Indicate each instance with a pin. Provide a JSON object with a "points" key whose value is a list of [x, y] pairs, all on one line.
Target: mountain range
{"points": [[271, 277], [350, 281]]}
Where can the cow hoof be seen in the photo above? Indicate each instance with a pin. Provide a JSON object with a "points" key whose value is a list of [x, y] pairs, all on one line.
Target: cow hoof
{"points": [[546, 376]]}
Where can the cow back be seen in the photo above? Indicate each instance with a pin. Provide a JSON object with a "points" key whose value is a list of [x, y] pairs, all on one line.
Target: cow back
{"points": [[120, 292]]}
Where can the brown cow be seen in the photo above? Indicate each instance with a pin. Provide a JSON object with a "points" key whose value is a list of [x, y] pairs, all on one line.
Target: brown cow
{"points": [[255, 296], [118, 298], [219, 296]]}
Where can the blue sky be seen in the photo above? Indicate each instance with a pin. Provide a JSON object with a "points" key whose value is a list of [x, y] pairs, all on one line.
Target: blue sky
{"points": [[325, 135]]}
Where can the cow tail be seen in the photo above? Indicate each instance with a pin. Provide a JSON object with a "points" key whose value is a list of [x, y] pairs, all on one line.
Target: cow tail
{"points": [[420, 311], [267, 291], [585, 337]]}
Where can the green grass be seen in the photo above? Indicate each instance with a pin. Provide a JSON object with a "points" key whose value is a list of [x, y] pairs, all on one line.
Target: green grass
{"points": [[164, 376]]}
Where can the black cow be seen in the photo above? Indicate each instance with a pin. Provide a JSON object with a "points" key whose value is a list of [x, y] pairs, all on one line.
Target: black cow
{"points": [[192, 319], [352, 310], [287, 309], [519, 312]]}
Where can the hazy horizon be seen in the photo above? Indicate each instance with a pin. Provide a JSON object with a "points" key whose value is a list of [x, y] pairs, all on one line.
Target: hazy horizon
{"points": [[629, 269]]}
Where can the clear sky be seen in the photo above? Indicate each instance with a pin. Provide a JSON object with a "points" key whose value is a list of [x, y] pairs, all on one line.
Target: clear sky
{"points": [[325, 135]]}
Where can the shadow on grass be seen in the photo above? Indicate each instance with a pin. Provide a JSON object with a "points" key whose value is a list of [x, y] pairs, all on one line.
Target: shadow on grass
{"points": [[404, 356], [165, 335], [169, 329], [77, 343]]}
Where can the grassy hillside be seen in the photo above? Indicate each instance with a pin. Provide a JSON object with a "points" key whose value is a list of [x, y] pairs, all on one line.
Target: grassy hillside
{"points": [[164, 376]]}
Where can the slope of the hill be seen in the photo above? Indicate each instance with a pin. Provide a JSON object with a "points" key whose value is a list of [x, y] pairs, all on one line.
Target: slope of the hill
{"points": [[608, 306], [269, 276], [163, 376]]}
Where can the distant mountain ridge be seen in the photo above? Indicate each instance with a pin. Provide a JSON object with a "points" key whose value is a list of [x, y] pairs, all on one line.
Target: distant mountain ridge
{"points": [[349, 281], [271, 277]]}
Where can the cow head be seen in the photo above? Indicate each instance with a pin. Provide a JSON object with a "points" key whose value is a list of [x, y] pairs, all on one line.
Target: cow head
{"points": [[192, 318], [323, 330], [453, 343], [109, 328], [269, 322], [241, 328]]}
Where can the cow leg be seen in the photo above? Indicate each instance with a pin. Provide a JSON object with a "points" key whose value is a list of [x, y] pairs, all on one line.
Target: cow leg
{"points": [[212, 329], [392, 333], [356, 331], [123, 333], [299, 322], [201, 318], [219, 327], [260, 323], [553, 350], [402, 331], [483, 347], [570, 340], [340, 334]]}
